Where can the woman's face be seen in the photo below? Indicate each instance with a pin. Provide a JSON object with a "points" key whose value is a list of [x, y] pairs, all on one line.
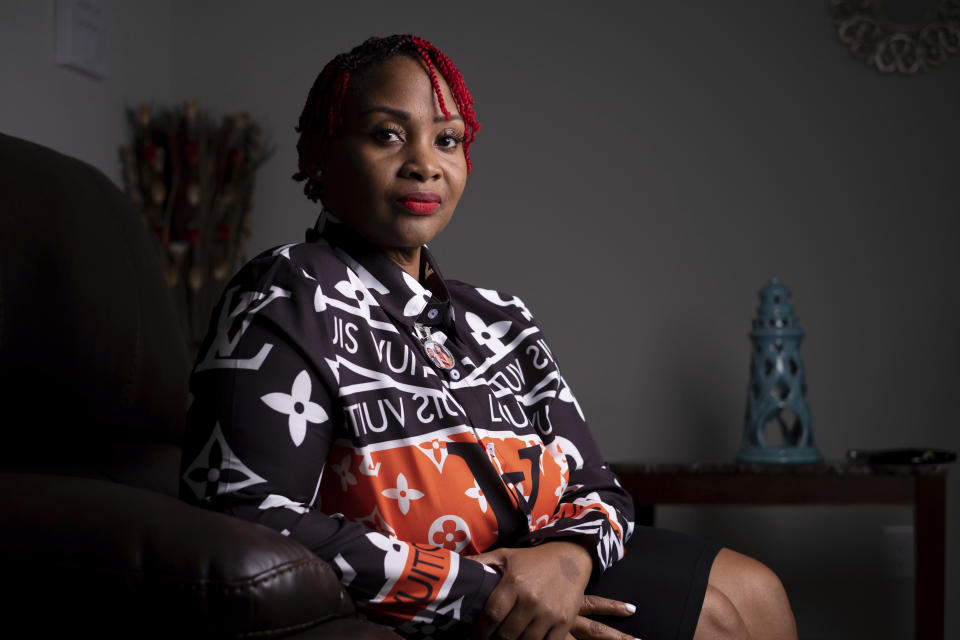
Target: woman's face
{"points": [[395, 169]]}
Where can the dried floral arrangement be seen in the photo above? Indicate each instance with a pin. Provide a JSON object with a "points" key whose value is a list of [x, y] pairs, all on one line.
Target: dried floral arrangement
{"points": [[193, 183]]}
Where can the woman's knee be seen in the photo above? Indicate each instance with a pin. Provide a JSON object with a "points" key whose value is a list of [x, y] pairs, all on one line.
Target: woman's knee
{"points": [[766, 589], [719, 618], [755, 591], [747, 582]]}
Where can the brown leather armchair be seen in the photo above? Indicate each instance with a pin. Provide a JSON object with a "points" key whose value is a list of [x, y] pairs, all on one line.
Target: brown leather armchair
{"points": [[93, 387]]}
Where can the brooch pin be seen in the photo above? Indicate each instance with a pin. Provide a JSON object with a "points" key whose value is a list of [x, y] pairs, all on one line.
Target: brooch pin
{"points": [[438, 354]]}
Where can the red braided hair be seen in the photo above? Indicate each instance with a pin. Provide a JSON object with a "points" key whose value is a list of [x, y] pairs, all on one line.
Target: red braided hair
{"points": [[323, 111]]}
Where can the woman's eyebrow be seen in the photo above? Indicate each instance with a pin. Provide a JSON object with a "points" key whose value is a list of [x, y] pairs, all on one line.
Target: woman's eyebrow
{"points": [[403, 115]]}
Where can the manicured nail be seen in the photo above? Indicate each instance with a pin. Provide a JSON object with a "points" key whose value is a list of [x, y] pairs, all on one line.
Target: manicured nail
{"points": [[631, 608]]}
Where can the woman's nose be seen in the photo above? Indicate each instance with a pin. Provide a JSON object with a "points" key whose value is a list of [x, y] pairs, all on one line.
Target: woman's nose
{"points": [[421, 163]]}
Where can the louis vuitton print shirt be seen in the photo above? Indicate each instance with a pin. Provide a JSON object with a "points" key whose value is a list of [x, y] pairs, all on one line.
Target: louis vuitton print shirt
{"points": [[316, 409]]}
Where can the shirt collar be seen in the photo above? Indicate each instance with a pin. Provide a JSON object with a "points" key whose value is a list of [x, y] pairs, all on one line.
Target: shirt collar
{"points": [[400, 295]]}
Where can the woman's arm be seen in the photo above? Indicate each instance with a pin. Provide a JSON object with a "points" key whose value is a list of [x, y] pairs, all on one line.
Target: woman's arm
{"points": [[546, 571], [262, 416], [593, 509], [541, 595]]}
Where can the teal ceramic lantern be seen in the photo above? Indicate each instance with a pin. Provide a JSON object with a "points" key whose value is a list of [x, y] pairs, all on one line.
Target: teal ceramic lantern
{"points": [[777, 426]]}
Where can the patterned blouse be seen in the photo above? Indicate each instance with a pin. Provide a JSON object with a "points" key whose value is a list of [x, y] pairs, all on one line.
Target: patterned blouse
{"points": [[392, 428]]}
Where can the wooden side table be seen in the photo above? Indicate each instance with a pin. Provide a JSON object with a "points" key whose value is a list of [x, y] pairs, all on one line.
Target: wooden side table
{"points": [[923, 488]]}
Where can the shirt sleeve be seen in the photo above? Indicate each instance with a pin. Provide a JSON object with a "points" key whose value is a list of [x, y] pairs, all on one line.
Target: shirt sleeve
{"points": [[262, 416], [593, 508]]}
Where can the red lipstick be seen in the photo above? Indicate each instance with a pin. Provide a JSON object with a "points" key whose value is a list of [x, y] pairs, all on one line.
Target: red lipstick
{"points": [[421, 203]]}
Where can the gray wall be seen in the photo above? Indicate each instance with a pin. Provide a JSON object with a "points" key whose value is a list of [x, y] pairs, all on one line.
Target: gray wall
{"points": [[643, 169], [71, 112]]}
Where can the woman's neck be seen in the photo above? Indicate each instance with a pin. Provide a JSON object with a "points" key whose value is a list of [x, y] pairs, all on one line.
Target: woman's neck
{"points": [[408, 259]]}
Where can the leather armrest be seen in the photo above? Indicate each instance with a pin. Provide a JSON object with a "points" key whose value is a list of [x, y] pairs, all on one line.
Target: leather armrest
{"points": [[89, 552]]}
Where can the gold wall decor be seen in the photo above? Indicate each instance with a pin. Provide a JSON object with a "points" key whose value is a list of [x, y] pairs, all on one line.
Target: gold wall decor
{"points": [[191, 179], [898, 37]]}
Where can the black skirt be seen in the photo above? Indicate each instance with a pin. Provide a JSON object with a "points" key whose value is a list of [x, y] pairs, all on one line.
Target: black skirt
{"points": [[664, 573]]}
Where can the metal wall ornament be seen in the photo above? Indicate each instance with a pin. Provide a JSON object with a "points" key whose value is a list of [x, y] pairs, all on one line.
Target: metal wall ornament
{"points": [[777, 407], [875, 34]]}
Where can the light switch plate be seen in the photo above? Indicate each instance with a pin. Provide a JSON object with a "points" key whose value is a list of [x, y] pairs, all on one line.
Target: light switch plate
{"points": [[81, 36]]}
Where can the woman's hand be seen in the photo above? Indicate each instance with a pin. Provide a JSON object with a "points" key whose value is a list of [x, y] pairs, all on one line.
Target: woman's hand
{"points": [[585, 628], [540, 596]]}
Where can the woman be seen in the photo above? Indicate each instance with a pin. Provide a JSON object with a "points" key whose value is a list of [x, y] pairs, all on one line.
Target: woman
{"points": [[415, 432]]}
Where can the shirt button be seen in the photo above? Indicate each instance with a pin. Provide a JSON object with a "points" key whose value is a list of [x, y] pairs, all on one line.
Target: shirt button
{"points": [[454, 374], [432, 314]]}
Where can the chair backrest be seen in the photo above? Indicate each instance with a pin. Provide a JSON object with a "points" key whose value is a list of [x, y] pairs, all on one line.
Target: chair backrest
{"points": [[90, 350]]}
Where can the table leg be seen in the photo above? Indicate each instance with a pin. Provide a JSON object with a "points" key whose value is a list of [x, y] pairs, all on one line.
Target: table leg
{"points": [[930, 523]]}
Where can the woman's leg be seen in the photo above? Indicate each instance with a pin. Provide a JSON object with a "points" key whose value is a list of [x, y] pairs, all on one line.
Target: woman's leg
{"points": [[744, 600]]}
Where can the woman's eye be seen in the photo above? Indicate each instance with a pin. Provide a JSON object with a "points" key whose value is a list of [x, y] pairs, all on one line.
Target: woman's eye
{"points": [[387, 135], [449, 140]]}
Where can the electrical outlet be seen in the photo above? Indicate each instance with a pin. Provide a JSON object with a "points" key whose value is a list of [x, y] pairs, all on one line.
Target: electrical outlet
{"points": [[898, 551]]}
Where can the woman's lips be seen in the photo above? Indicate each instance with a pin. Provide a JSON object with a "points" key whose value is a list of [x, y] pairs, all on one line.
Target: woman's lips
{"points": [[421, 203]]}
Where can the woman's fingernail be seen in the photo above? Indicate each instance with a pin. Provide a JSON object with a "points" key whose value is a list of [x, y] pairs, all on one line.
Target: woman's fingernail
{"points": [[631, 608]]}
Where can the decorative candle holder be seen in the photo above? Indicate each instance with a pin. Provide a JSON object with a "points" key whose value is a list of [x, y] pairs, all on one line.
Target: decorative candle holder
{"points": [[777, 395]]}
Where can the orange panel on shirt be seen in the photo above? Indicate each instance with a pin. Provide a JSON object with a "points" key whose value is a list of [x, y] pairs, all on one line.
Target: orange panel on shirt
{"points": [[418, 491]]}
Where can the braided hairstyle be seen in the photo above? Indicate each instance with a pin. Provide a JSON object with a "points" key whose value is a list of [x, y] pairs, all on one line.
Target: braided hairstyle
{"points": [[322, 113]]}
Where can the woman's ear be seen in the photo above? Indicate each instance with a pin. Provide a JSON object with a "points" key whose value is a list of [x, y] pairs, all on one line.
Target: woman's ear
{"points": [[313, 170]]}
